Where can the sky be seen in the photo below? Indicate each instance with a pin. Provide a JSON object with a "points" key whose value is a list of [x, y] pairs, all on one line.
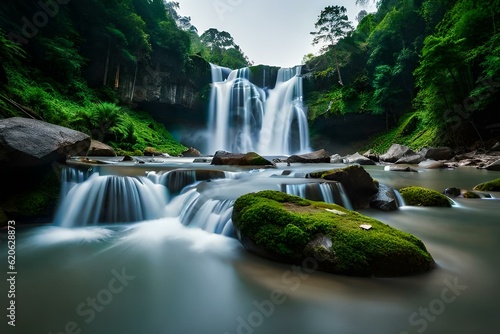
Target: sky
{"points": [[269, 32]]}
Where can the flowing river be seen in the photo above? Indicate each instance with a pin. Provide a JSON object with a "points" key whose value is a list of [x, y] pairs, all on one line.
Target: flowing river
{"points": [[178, 270]]}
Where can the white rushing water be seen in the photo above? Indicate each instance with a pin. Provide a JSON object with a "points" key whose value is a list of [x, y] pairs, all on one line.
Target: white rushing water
{"points": [[244, 117], [174, 275]]}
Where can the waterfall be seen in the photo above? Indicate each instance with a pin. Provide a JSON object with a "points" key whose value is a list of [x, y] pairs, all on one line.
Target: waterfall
{"points": [[71, 177], [111, 199], [244, 117], [328, 192], [209, 214]]}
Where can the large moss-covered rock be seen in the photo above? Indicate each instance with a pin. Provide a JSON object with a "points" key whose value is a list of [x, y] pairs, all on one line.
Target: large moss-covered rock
{"points": [[489, 186], [418, 196], [325, 237], [355, 180]]}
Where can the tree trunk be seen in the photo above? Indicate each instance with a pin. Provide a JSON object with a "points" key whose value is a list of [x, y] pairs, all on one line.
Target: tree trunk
{"points": [[106, 68], [133, 84], [117, 77], [337, 64]]}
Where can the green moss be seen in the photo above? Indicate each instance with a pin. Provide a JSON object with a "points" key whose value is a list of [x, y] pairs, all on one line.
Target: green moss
{"points": [[284, 225], [489, 186], [417, 196]]}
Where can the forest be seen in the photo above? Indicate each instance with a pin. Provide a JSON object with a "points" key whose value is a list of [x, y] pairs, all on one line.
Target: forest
{"points": [[63, 62], [431, 67]]}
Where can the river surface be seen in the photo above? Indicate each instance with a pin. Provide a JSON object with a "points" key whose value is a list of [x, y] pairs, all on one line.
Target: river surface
{"points": [[162, 277]]}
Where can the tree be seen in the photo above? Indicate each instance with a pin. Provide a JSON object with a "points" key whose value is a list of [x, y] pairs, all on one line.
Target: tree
{"points": [[332, 25], [223, 50]]}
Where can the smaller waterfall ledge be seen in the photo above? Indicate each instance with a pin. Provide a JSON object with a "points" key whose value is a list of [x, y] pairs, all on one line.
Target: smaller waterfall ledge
{"points": [[111, 199], [244, 117], [199, 198]]}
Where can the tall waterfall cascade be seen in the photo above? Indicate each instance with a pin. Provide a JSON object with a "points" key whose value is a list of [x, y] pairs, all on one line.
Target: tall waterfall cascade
{"points": [[244, 117]]}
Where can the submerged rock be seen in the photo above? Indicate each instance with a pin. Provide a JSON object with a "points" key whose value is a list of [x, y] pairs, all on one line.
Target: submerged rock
{"points": [[488, 186], [418, 196], [238, 159], [357, 183], [320, 156], [290, 229]]}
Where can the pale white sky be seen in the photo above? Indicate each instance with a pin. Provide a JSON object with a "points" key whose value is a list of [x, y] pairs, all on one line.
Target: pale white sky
{"points": [[270, 32]]}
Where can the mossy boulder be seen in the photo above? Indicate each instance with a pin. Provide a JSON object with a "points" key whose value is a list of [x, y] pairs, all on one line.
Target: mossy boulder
{"points": [[357, 183], [239, 159], [418, 196], [489, 186], [325, 237]]}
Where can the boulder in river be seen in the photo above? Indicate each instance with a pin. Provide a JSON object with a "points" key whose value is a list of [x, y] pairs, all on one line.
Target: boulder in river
{"points": [[98, 149], [239, 159], [396, 152], [418, 196], [357, 183], [488, 186], [385, 199], [359, 159], [325, 237], [320, 156], [437, 153], [495, 166], [27, 142]]}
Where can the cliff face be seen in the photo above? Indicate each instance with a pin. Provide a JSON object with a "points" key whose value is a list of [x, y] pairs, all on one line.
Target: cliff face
{"points": [[163, 79]]}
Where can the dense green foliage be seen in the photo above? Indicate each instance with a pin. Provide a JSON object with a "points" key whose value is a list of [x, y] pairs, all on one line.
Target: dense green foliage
{"points": [[417, 196], [66, 64], [284, 225], [435, 63]]}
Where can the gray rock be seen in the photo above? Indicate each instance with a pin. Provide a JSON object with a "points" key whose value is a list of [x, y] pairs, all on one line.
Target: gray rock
{"points": [[396, 168], [191, 153], [431, 164], [437, 153], [372, 156], [356, 181], [413, 159], [494, 166], [396, 152], [496, 147], [452, 192], [385, 199], [239, 159], [98, 149], [320, 156], [30, 143], [336, 159], [359, 159]]}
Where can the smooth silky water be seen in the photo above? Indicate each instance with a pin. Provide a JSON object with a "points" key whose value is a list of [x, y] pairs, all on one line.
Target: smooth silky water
{"points": [[163, 276]]}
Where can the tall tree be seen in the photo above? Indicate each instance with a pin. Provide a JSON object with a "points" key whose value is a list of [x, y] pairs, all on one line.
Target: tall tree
{"points": [[332, 25]]}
